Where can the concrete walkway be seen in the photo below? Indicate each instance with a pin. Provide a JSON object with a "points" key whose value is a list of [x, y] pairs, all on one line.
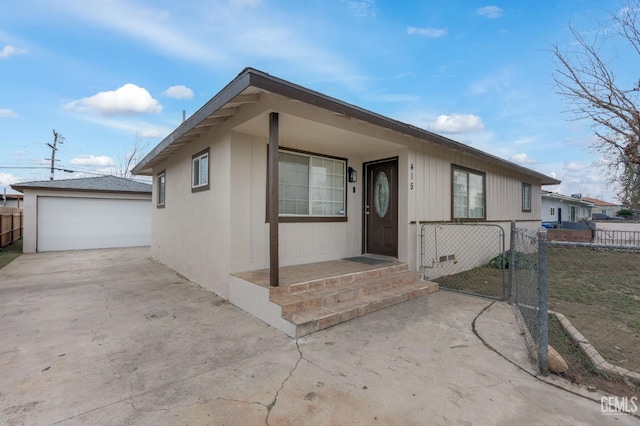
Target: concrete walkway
{"points": [[111, 337]]}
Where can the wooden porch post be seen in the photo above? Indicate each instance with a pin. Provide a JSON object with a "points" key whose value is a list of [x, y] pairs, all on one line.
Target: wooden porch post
{"points": [[274, 264]]}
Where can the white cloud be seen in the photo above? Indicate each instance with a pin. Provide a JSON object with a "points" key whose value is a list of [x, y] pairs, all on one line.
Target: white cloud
{"points": [[7, 113], [491, 12], [554, 176], [523, 158], [8, 51], [126, 100], [92, 160], [179, 92], [362, 8], [427, 32], [7, 179], [18, 152], [457, 123], [575, 167], [150, 26], [150, 133]]}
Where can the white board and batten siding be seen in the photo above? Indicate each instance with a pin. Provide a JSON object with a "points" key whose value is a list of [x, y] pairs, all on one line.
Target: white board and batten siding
{"points": [[75, 223], [433, 190]]}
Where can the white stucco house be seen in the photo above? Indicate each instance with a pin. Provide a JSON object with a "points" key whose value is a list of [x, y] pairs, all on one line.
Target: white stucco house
{"points": [[270, 174], [558, 208], [85, 213]]}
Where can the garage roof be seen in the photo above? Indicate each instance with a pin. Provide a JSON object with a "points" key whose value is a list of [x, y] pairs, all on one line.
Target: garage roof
{"points": [[92, 184]]}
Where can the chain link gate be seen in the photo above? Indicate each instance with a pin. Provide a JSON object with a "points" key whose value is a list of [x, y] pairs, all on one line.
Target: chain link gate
{"points": [[465, 257]]}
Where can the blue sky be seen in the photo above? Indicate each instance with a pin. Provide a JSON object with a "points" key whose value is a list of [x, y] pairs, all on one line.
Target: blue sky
{"points": [[104, 73]]}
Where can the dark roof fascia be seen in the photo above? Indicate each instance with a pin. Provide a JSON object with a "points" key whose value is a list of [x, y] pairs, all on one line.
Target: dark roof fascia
{"points": [[566, 198], [250, 77], [276, 85], [230, 91], [21, 188]]}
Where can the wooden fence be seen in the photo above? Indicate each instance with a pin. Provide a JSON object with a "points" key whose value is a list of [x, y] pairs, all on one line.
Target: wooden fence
{"points": [[11, 223]]}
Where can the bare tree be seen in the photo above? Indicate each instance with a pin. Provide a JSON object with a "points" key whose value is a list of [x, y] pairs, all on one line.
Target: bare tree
{"points": [[588, 80], [130, 158]]}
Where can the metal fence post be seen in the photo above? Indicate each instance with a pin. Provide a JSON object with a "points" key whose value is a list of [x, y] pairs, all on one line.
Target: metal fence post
{"points": [[543, 332], [512, 247]]}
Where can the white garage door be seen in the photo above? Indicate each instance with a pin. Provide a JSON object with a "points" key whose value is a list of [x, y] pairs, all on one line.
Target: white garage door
{"points": [[89, 223]]}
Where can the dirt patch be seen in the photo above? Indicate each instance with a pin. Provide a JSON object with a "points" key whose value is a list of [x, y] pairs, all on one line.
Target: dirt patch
{"points": [[580, 370]]}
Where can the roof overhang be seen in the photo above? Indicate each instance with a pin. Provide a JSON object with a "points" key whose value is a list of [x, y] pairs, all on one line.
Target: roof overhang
{"points": [[560, 197], [247, 86], [22, 189]]}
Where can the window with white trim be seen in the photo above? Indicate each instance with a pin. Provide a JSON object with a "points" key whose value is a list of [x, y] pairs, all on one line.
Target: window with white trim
{"points": [[161, 181], [311, 185], [468, 193], [200, 171], [553, 211], [526, 197]]}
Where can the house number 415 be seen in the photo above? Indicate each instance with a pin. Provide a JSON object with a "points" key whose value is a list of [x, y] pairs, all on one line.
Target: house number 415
{"points": [[411, 178]]}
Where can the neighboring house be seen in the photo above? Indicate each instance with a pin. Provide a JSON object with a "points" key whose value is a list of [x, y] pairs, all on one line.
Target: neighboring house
{"points": [[11, 200], [86, 213], [349, 182], [604, 207], [558, 208]]}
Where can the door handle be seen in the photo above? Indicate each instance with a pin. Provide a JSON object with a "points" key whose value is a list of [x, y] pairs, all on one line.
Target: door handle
{"points": [[366, 210]]}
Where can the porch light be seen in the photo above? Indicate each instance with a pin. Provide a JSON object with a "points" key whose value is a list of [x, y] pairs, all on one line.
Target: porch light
{"points": [[353, 175]]}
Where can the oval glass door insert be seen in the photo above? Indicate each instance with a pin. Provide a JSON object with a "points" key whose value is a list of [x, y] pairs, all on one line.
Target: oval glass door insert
{"points": [[381, 194]]}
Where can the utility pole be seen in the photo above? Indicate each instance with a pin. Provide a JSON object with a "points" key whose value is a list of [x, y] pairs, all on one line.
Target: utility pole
{"points": [[57, 138]]}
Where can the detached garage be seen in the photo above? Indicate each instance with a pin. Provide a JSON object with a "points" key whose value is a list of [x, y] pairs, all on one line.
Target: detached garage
{"points": [[87, 213]]}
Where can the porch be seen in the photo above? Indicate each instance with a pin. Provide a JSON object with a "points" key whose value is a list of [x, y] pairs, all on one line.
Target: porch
{"points": [[315, 296]]}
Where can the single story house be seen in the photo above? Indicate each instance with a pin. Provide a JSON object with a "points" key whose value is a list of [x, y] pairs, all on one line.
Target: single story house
{"points": [[85, 213], [269, 175], [558, 208], [604, 207]]}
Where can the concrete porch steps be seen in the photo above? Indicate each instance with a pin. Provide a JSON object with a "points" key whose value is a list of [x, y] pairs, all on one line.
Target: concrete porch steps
{"points": [[320, 304]]}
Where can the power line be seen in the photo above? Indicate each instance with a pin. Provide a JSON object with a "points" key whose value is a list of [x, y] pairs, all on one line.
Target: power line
{"points": [[138, 179]]}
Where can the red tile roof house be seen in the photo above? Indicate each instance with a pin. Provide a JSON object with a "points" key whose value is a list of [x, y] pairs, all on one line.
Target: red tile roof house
{"points": [[272, 176], [605, 207]]}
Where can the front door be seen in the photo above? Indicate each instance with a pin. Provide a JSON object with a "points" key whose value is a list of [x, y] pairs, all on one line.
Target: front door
{"points": [[381, 207]]}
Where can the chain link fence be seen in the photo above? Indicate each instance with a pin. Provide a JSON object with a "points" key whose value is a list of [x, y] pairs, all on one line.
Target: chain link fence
{"points": [[528, 288], [594, 308], [465, 257], [578, 294]]}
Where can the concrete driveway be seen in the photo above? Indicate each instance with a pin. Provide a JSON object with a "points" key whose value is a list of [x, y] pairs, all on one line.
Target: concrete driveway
{"points": [[112, 337]]}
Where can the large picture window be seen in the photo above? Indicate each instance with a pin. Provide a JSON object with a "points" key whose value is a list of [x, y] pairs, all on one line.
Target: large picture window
{"points": [[200, 171], [468, 193], [311, 185], [526, 197]]}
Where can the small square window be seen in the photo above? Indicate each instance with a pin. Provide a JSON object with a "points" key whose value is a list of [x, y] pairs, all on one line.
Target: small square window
{"points": [[526, 197], [161, 181], [200, 171]]}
